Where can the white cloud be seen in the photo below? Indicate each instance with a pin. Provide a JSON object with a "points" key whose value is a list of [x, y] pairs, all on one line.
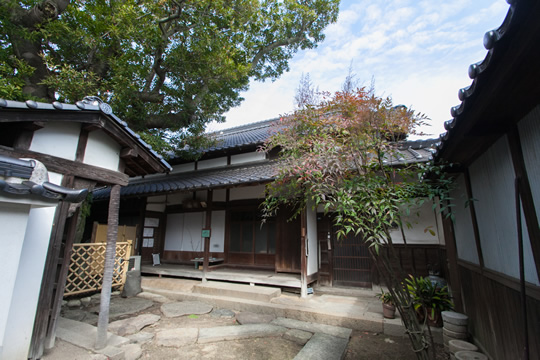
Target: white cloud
{"points": [[418, 53]]}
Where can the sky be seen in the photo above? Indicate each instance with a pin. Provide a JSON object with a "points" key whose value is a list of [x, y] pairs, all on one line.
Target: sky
{"points": [[417, 51]]}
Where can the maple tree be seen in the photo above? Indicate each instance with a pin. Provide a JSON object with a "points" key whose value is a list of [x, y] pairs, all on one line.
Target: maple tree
{"points": [[335, 157]]}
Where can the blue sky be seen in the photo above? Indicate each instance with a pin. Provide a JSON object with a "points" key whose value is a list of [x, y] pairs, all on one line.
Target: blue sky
{"points": [[418, 52]]}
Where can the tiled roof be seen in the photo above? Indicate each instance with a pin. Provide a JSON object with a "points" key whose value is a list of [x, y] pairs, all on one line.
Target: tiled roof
{"points": [[250, 134], [91, 104], [194, 180], [261, 172], [503, 84], [29, 177]]}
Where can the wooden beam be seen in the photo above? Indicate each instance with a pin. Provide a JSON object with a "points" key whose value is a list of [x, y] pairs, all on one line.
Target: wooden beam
{"points": [[129, 152], [81, 146], [41, 117], [527, 201], [68, 167], [474, 219], [119, 134]]}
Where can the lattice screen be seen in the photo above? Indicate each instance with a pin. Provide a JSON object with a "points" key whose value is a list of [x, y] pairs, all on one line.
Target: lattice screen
{"points": [[85, 271]]}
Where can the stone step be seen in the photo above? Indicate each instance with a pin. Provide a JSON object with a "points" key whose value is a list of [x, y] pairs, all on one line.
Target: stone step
{"points": [[336, 331], [237, 332], [323, 347], [255, 293]]}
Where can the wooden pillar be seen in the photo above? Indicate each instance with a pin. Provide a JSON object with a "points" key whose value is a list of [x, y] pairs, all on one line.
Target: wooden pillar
{"points": [[59, 296], [303, 254], [207, 226], [110, 252], [48, 283]]}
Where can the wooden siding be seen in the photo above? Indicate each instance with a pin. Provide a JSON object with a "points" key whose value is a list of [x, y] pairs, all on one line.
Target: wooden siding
{"points": [[417, 260], [495, 319], [185, 257]]}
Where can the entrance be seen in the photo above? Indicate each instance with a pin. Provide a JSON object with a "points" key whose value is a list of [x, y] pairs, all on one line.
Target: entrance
{"points": [[344, 262]]}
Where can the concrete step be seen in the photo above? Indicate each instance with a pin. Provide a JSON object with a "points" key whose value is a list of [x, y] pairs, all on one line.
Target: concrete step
{"points": [[255, 293]]}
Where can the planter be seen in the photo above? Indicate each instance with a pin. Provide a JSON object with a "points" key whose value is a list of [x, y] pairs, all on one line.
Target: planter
{"points": [[389, 310]]}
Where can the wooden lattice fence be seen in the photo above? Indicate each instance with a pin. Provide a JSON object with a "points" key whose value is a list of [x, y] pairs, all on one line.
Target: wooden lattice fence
{"points": [[85, 273]]}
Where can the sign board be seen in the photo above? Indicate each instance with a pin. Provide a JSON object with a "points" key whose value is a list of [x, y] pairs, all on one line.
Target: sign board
{"points": [[205, 233]]}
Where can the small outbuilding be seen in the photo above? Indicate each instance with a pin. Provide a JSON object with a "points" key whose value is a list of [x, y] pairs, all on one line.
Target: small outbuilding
{"points": [[82, 146]]}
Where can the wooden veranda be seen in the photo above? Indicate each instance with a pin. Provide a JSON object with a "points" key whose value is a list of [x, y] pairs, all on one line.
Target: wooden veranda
{"points": [[259, 277]]}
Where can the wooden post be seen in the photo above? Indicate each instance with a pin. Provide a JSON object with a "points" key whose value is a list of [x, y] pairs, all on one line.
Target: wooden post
{"points": [[48, 284], [59, 296], [207, 226], [303, 254], [110, 252]]}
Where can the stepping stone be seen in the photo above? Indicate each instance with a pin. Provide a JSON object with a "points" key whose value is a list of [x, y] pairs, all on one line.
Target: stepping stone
{"points": [[154, 297], [132, 351], [74, 314], [120, 306], [246, 317], [74, 303], [177, 337], [132, 325], [237, 332], [176, 309], [141, 337], [323, 347], [298, 336], [222, 313], [84, 335], [313, 327]]}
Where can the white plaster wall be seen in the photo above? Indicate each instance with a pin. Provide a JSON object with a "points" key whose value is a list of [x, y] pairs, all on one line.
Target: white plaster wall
{"points": [[56, 178], [156, 203], [248, 192], [178, 198], [217, 236], [211, 163], [57, 139], [24, 302], [183, 232], [311, 241], [155, 207], [102, 151], [421, 220], [219, 195], [247, 157], [13, 220], [183, 168]]}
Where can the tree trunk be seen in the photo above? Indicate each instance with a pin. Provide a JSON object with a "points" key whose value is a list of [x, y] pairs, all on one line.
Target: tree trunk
{"points": [[112, 233]]}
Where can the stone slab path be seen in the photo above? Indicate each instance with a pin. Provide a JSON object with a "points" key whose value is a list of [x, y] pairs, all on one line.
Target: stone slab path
{"points": [[323, 347]]}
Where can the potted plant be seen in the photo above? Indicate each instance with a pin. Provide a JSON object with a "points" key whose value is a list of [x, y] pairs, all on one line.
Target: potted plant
{"points": [[389, 309], [429, 299]]}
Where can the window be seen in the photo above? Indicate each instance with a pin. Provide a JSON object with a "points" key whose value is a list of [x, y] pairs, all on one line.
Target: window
{"points": [[249, 235]]}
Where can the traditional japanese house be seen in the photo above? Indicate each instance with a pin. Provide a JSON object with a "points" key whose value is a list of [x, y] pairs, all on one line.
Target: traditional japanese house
{"points": [[493, 141], [212, 206]]}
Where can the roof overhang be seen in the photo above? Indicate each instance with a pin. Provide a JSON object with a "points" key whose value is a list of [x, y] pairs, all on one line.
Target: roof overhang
{"points": [[504, 87]]}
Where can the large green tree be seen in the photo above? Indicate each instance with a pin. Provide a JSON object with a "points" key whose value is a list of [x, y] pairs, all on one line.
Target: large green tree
{"points": [[167, 64]]}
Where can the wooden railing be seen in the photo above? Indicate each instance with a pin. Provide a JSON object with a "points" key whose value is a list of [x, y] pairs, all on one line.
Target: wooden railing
{"points": [[85, 273]]}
